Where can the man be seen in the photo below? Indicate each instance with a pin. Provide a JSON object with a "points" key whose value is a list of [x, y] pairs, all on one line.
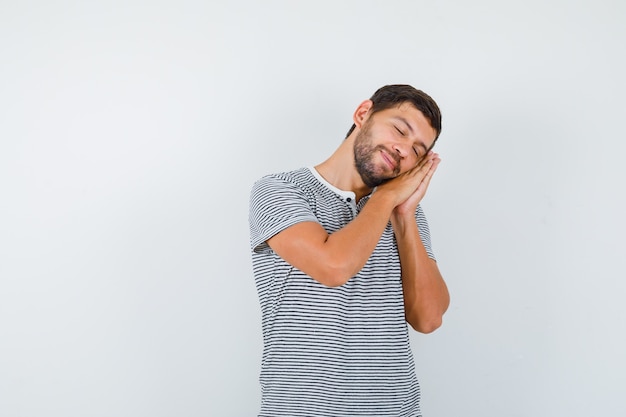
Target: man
{"points": [[342, 261]]}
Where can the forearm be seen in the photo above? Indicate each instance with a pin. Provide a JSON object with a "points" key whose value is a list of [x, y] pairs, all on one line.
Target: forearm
{"points": [[332, 259], [426, 296], [350, 247]]}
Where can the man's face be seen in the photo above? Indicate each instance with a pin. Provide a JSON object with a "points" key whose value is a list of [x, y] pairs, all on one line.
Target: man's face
{"points": [[391, 142]]}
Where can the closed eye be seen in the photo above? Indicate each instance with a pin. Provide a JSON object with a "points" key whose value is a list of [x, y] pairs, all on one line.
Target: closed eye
{"points": [[417, 153]]}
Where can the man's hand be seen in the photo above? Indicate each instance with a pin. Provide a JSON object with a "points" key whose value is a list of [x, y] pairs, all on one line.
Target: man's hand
{"points": [[430, 166], [410, 187]]}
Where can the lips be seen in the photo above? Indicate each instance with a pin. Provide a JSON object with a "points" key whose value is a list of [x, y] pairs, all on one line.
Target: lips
{"points": [[389, 160]]}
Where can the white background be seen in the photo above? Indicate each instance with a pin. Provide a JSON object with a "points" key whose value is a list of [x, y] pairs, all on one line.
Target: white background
{"points": [[131, 132]]}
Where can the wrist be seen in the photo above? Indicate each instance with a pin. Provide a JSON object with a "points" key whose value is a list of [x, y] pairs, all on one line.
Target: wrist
{"points": [[400, 219], [404, 211], [385, 198]]}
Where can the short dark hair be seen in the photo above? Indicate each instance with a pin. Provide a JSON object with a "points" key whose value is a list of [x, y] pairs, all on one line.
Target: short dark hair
{"points": [[396, 94]]}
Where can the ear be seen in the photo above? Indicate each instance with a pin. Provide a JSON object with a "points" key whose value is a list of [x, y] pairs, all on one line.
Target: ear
{"points": [[362, 113]]}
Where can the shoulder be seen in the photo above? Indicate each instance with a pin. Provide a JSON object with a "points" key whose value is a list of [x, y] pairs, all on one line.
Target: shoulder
{"points": [[278, 201], [301, 175], [278, 188], [299, 179]]}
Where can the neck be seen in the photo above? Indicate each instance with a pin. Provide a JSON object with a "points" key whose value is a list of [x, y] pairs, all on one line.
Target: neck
{"points": [[339, 170]]}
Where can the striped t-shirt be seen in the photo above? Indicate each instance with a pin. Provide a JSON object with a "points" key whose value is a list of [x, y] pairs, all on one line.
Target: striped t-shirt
{"points": [[329, 351]]}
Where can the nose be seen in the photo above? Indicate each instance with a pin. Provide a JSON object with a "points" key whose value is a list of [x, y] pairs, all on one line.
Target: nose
{"points": [[401, 149]]}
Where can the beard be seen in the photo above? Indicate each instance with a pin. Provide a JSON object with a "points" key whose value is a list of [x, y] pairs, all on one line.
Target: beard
{"points": [[365, 157]]}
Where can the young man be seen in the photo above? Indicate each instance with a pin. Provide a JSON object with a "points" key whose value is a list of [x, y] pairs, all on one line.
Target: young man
{"points": [[342, 261]]}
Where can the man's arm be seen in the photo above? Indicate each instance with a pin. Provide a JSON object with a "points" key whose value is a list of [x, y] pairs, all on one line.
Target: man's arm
{"points": [[332, 259], [426, 296]]}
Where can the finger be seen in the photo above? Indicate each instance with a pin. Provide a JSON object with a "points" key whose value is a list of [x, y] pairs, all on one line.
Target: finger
{"points": [[421, 164], [425, 166], [428, 159], [429, 174]]}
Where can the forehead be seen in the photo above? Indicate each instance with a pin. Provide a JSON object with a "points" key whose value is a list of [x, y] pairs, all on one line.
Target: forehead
{"points": [[407, 113], [407, 109]]}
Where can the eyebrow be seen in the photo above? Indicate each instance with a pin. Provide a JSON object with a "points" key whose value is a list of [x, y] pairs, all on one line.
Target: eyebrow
{"points": [[408, 125]]}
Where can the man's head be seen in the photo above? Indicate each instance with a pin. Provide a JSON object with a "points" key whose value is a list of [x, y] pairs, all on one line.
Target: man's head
{"points": [[396, 129], [398, 94]]}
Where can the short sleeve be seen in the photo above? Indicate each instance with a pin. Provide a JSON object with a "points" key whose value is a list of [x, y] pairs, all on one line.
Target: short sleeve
{"points": [[424, 230], [275, 204]]}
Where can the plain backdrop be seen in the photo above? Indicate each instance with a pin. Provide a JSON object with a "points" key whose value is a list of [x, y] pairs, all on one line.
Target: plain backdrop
{"points": [[130, 135]]}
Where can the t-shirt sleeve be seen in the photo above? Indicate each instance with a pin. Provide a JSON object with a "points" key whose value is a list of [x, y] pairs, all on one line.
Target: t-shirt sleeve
{"points": [[422, 224], [275, 204]]}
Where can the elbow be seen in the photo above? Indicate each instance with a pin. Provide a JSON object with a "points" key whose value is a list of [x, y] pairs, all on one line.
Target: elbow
{"points": [[330, 281], [335, 269], [426, 327], [425, 324], [427, 319], [334, 274]]}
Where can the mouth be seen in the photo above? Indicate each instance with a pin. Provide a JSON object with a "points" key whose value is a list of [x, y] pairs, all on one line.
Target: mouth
{"points": [[389, 160]]}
